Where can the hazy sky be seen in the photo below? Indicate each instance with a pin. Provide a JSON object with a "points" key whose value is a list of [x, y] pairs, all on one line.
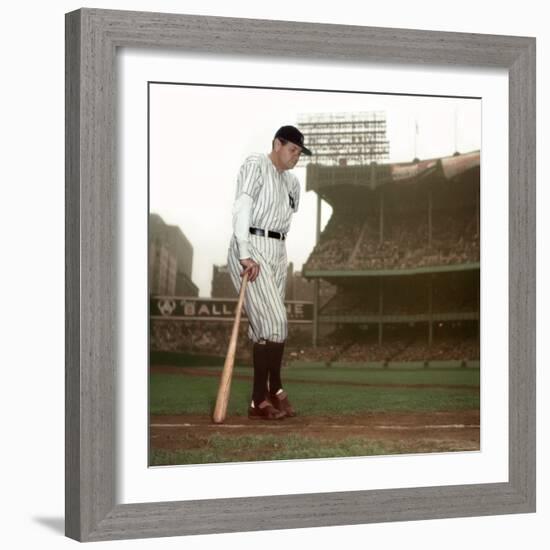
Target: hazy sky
{"points": [[199, 136]]}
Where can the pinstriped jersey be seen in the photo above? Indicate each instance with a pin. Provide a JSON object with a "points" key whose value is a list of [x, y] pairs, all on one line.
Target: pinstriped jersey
{"points": [[275, 195], [266, 199]]}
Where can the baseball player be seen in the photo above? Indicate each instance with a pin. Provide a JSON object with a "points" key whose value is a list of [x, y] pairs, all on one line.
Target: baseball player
{"points": [[266, 197]]}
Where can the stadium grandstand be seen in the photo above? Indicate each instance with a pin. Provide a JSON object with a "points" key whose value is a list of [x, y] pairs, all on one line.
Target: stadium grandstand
{"points": [[402, 249]]}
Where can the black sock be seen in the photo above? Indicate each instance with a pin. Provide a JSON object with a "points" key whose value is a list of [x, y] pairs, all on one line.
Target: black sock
{"points": [[275, 352], [259, 388]]}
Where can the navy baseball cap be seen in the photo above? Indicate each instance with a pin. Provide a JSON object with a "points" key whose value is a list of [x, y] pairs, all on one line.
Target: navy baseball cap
{"points": [[292, 134]]}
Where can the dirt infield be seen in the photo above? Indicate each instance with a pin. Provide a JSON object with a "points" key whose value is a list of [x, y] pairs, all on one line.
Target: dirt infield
{"points": [[410, 432]]}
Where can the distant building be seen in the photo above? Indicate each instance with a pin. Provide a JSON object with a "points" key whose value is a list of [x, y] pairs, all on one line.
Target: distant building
{"points": [[162, 269], [222, 287], [185, 286], [170, 260], [298, 288]]}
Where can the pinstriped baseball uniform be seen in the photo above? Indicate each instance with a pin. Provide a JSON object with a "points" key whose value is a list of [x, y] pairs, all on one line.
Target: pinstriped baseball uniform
{"points": [[271, 197]]}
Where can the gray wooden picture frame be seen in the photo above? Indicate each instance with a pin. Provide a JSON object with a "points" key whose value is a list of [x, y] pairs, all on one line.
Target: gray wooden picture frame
{"points": [[92, 39]]}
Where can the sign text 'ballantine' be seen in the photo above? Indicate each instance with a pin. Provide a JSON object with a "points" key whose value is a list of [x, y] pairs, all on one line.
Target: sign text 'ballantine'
{"points": [[213, 309]]}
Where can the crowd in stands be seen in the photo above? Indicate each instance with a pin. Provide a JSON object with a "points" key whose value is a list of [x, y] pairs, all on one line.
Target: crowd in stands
{"points": [[349, 242], [345, 344], [400, 297], [336, 244], [350, 303], [207, 338], [392, 349]]}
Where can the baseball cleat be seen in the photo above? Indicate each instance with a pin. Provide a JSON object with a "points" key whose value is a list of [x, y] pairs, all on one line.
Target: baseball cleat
{"points": [[280, 402], [265, 411]]}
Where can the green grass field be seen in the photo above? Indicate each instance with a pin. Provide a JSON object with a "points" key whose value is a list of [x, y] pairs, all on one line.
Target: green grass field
{"points": [[319, 393], [250, 448], [322, 391]]}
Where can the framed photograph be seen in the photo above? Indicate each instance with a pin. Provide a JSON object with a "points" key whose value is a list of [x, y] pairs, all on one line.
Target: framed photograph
{"points": [[409, 298], [380, 284]]}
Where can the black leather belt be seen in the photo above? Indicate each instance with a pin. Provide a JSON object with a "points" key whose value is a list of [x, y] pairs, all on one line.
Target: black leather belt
{"points": [[272, 234]]}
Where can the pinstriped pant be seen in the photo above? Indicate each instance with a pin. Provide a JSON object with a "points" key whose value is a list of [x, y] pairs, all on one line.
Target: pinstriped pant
{"points": [[264, 298]]}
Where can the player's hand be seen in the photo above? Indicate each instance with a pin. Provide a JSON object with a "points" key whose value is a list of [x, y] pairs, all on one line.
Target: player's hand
{"points": [[250, 267]]}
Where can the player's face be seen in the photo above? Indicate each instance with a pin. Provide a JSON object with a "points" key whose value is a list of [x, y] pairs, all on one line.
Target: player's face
{"points": [[289, 154]]}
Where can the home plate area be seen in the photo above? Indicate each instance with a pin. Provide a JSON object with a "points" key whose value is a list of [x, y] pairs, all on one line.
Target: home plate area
{"points": [[194, 438]]}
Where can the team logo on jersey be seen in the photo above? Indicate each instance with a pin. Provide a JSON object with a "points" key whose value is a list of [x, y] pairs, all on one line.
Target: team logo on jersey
{"points": [[291, 201]]}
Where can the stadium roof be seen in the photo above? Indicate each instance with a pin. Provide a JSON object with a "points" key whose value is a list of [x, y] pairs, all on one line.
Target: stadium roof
{"points": [[372, 176], [334, 275]]}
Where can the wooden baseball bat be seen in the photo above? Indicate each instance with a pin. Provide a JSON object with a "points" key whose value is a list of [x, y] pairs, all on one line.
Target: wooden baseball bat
{"points": [[220, 409]]}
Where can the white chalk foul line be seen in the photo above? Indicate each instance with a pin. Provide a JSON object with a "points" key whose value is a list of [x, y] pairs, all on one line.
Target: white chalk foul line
{"points": [[429, 427], [186, 425], [282, 424]]}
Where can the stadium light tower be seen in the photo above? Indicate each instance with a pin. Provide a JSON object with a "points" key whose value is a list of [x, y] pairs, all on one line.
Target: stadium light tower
{"points": [[345, 139]]}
